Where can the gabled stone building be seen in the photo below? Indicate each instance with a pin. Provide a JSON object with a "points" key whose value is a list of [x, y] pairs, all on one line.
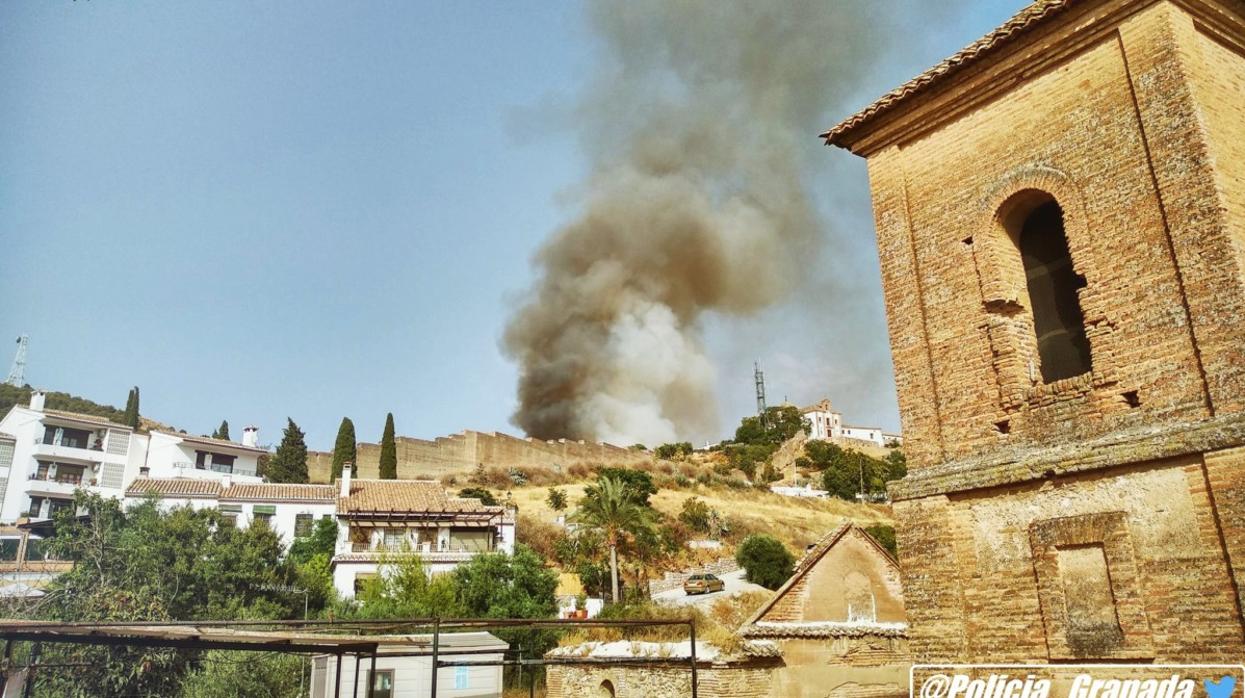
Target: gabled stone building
{"points": [[1060, 212], [838, 622]]}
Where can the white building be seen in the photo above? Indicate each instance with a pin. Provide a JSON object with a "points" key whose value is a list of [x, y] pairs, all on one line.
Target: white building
{"points": [[46, 455], [826, 423], [289, 509], [380, 520], [411, 676]]}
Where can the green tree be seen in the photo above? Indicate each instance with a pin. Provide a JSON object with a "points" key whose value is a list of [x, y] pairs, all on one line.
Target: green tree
{"points": [[556, 499], [225, 674], [345, 449], [486, 497], [780, 424], [131, 409], [668, 451], [404, 589], [766, 561], [388, 451], [289, 463], [612, 509], [637, 483], [143, 564], [222, 432]]}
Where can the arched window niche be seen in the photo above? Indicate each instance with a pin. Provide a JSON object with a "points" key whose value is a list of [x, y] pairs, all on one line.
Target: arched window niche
{"points": [[1034, 221]]}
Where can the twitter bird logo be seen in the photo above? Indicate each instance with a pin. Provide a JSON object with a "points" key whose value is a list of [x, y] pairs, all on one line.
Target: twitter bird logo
{"points": [[1220, 689]]}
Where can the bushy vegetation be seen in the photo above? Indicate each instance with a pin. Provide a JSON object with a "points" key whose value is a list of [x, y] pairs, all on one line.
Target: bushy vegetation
{"points": [[885, 536], [11, 395], [486, 497], [675, 450], [289, 463], [848, 472], [766, 561]]}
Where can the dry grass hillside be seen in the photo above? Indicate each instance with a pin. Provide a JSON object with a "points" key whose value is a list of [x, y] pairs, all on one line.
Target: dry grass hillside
{"points": [[795, 521]]}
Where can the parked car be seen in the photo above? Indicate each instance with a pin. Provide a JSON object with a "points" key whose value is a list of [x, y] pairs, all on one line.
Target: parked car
{"points": [[703, 584]]}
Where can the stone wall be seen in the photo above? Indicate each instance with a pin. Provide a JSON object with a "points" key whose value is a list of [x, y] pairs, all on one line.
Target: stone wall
{"points": [[462, 453], [674, 580], [741, 679]]}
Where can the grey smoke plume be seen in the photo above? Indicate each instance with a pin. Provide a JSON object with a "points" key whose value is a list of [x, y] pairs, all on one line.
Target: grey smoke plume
{"points": [[701, 126]]}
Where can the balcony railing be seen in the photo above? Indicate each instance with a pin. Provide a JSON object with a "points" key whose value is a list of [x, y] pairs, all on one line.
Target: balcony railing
{"points": [[421, 548]]}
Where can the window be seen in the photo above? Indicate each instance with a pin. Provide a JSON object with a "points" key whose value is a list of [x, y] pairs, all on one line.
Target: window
{"points": [[229, 514], [395, 538], [382, 683], [1063, 348], [462, 678], [64, 436], [205, 460], [302, 525], [8, 549], [263, 513]]}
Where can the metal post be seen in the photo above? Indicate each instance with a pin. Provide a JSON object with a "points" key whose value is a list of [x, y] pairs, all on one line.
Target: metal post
{"points": [[337, 678], [356, 675], [302, 663], [30, 669], [371, 677], [692, 625], [436, 651], [8, 657]]}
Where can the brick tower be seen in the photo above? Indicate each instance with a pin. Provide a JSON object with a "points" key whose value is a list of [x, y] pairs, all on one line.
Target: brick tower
{"points": [[1060, 212]]}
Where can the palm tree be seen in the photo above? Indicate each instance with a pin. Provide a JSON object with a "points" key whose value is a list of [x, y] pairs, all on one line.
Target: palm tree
{"points": [[610, 509]]}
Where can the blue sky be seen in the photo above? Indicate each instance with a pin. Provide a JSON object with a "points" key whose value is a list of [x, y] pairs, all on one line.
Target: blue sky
{"points": [[318, 209]]}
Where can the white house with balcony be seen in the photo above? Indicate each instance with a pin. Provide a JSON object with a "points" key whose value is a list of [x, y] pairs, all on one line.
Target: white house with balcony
{"points": [[289, 509], [47, 455], [383, 520], [54, 453]]}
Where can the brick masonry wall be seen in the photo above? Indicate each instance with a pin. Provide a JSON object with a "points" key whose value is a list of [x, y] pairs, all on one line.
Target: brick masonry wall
{"points": [[1131, 114]]}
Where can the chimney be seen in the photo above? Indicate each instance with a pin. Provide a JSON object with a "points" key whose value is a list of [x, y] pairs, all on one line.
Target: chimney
{"points": [[346, 467], [144, 471], [226, 481], [250, 437], [36, 401]]}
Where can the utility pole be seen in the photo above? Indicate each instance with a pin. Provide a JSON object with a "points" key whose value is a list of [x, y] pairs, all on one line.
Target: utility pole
{"points": [[17, 374]]}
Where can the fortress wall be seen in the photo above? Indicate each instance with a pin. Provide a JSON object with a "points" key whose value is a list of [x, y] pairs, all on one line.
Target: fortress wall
{"points": [[462, 453]]}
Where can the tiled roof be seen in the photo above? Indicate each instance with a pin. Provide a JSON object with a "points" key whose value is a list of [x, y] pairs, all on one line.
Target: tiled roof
{"points": [[1023, 21], [393, 496], [88, 418], [272, 492], [173, 487]]}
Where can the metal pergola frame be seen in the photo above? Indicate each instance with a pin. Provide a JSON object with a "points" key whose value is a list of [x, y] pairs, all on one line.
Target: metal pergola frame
{"points": [[247, 636]]}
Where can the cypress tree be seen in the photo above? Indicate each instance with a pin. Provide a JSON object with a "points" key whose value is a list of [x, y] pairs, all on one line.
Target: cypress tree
{"points": [[223, 431], [344, 450], [131, 408], [289, 463], [388, 452]]}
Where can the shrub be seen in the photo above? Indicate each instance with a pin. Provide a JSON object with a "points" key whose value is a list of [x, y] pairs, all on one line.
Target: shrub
{"points": [[695, 515], [556, 499], [668, 451], [765, 560], [486, 498], [885, 536]]}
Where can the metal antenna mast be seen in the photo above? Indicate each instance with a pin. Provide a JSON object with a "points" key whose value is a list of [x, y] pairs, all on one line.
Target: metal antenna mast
{"points": [[760, 381], [17, 374]]}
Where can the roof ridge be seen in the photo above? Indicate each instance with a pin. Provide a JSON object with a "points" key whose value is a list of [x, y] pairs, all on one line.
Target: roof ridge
{"points": [[1024, 20]]}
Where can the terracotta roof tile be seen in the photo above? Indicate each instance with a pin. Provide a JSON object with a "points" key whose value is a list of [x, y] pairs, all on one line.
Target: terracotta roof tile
{"points": [[272, 492], [406, 496], [824, 629], [88, 418], [173, 487], [1013, 28]]}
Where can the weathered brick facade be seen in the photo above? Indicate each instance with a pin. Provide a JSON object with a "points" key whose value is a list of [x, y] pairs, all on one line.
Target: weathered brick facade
{"points": [[1100, 516]]}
